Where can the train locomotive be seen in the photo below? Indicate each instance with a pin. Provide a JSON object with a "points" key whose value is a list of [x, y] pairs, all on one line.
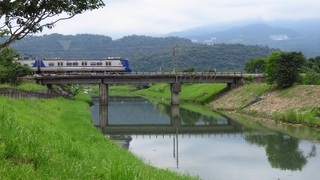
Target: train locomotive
{"points": [[61, 66]]}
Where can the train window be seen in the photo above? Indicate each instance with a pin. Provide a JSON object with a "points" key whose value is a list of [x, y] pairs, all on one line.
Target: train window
{"points": [[108, 63], [51, 64], [75, 63], [61, 64], [99, 63], [93, 64], [69, 64], [83, 63]]}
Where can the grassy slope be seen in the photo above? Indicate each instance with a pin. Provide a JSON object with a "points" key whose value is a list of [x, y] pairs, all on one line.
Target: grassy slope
{"points": [[54, 139], [298, 104]]}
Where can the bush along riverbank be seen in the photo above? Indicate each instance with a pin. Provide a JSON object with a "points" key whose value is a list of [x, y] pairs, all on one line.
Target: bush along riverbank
{"points": [[55, 139], [295, 105]]}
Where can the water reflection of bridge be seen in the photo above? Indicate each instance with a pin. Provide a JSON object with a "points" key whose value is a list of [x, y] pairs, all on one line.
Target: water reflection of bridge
{"points": [[168, 129], [175, 126]]}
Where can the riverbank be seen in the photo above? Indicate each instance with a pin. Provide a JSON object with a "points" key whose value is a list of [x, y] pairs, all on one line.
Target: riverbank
{"points": [[296, 105], [55, 139]]}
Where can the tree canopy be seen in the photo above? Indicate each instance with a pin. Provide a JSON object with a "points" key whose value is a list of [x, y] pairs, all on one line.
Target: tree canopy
{"points": [[255, 65], [10, 71], [284, 68], [23, 17]]}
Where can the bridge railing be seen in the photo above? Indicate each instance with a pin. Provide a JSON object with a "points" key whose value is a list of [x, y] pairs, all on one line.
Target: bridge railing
{"points": [[228, 73], [190, 73]]}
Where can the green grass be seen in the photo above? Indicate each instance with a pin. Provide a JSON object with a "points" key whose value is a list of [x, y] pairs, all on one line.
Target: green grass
{"points": [[116, 90], [26, 85], [307, 116], [198, 93], [55, 139], [256, 89], [127, 91]]}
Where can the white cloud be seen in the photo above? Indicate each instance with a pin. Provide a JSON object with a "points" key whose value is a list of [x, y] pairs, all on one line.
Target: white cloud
{"points": [[126, 17]]}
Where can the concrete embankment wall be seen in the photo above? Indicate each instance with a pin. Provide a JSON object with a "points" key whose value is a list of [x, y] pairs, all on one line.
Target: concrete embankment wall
{"points": [[16, 93]]}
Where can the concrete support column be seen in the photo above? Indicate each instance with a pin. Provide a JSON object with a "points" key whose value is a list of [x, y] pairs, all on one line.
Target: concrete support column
{"points": [[103, 94], [49, 88], [175, 90], [235, 83], [229, 86]]}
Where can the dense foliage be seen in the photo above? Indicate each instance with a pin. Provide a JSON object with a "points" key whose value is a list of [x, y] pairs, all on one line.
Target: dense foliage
{"points": [[145, 53], [32, 16], [10, 71], [313, 64], [256, 65], [284, 68]]}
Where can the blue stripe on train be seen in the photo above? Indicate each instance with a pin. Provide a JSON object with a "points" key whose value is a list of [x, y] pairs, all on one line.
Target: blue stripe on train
{"points": [[35, 64], [125, 64]]}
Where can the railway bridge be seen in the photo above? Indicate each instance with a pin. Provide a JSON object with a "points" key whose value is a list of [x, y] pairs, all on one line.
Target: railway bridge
{"points": [[175, 79]]}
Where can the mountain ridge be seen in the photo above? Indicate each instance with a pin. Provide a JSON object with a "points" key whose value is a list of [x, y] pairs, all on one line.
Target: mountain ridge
{"points": [[300, 35]]}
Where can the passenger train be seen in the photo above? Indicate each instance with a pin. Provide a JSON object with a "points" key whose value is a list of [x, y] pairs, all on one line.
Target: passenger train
{"points": [[59, 66]]}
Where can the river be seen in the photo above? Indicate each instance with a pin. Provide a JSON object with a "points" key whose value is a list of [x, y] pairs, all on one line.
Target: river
{"points": [[209, 145]]}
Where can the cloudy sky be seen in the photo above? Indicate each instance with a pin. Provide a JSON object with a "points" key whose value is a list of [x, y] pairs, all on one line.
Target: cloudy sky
{"points": [[153, 17]]}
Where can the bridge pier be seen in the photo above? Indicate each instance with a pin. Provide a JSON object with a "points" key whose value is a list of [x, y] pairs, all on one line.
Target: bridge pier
{"points": [[235, 83], [103, 94], [175, 90], [49, 88]]}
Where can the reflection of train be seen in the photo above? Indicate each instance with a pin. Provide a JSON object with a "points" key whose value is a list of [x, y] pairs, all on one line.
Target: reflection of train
{"points": [[56, 66]]}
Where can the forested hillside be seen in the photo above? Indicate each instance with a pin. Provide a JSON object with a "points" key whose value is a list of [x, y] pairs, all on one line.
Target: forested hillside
{"points": [[145, 53]]}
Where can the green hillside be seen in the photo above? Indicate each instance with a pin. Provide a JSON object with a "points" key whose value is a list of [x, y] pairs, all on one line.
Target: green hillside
{"points": [[145, 53]]}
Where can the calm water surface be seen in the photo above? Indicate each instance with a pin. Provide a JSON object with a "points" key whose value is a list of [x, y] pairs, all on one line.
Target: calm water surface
{"points": [[210, 146]]}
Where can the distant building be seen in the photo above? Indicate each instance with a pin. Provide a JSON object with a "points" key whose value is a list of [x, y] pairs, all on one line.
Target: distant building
{"points": [[211, 41], [194, 40], [279, 37]]}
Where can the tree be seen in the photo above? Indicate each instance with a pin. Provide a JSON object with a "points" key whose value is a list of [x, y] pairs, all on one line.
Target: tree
{"points": [[284, 68], [23, 17], [189, 69], [10, 71], [313, 64], [255, 65]]}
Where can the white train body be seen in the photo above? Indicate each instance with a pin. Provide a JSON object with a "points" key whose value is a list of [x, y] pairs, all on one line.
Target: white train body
{"points": [[110, 64]]}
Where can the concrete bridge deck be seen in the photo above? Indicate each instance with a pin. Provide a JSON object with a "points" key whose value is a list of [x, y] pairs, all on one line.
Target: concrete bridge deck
{"points": [[142, 77], [232, 79]]}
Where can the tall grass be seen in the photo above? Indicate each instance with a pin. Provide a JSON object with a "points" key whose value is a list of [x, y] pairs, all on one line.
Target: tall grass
{"points": [[55, 139], [310, 117]]}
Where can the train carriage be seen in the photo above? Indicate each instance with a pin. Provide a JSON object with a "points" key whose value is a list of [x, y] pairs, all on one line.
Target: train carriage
{"points": [[57, 66]]}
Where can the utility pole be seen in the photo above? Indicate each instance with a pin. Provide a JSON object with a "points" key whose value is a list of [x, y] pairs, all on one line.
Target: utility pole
{"points": [[175, 62]]}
